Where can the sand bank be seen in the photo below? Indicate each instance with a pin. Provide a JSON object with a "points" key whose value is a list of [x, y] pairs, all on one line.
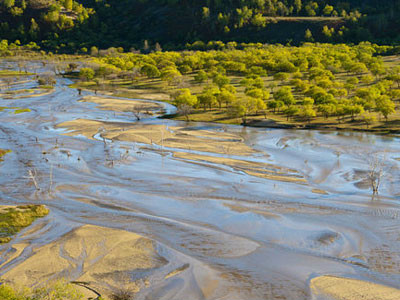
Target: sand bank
{"points": [[99, 257], [161, 135], [257, 169], [121, 105], [338, 288]]}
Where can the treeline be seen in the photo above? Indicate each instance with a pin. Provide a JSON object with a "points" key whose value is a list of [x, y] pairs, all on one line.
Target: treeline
{"points": [[70, 25], [313, 80]]}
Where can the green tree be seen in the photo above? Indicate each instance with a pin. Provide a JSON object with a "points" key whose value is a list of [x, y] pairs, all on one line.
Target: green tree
{"points": [[201, 76], [86, 73], [284, 94], [308, 35], [207, 99], [185, 97], [385, 106], [297, 6], [308, 112], [328, 9], [226, 97], [150, 71], [221, 80], [368, 119], [291, 111]]}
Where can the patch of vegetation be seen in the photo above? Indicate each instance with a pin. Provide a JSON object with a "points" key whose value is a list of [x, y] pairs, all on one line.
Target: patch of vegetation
{"points": [[3, 152], [14, 219], [6, 73], [47, 87], [60, 290], [17, 92], [21, 110], [17, 110]]}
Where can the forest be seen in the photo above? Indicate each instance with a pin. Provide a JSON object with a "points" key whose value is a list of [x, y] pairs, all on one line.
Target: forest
{"points": [[71, 25]]}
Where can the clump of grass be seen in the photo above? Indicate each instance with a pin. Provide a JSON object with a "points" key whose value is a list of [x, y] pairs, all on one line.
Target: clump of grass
{"points": [[17, 92], [13, 73], [47, 87], [14, 219], [21, 110], [3, 152]]}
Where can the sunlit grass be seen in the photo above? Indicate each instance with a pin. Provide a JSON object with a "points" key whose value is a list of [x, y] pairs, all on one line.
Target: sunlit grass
{"points": [[14, 219]]}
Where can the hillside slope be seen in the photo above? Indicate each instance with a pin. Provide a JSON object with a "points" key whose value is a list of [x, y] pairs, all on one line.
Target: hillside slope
{"points": [[68, 24]]}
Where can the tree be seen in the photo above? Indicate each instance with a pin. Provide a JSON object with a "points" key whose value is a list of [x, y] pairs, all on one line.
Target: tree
{"points": [[328, 32], [385, 106], [94, 51], [221, 80], [377, 169], [368, 119], [86, 73], [285, 95], [328, 9], [33, 29], [150, 71], [353, 110], [185, 110], [207, 99], [137, 110], [243, 107], [308, 35], [291, 111], [327, 110], [308, 112], [201, 76], [225, 97], [281, 76], [169, 74], [255, 93], [185, 98], [275, 105], [297, 6]]}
